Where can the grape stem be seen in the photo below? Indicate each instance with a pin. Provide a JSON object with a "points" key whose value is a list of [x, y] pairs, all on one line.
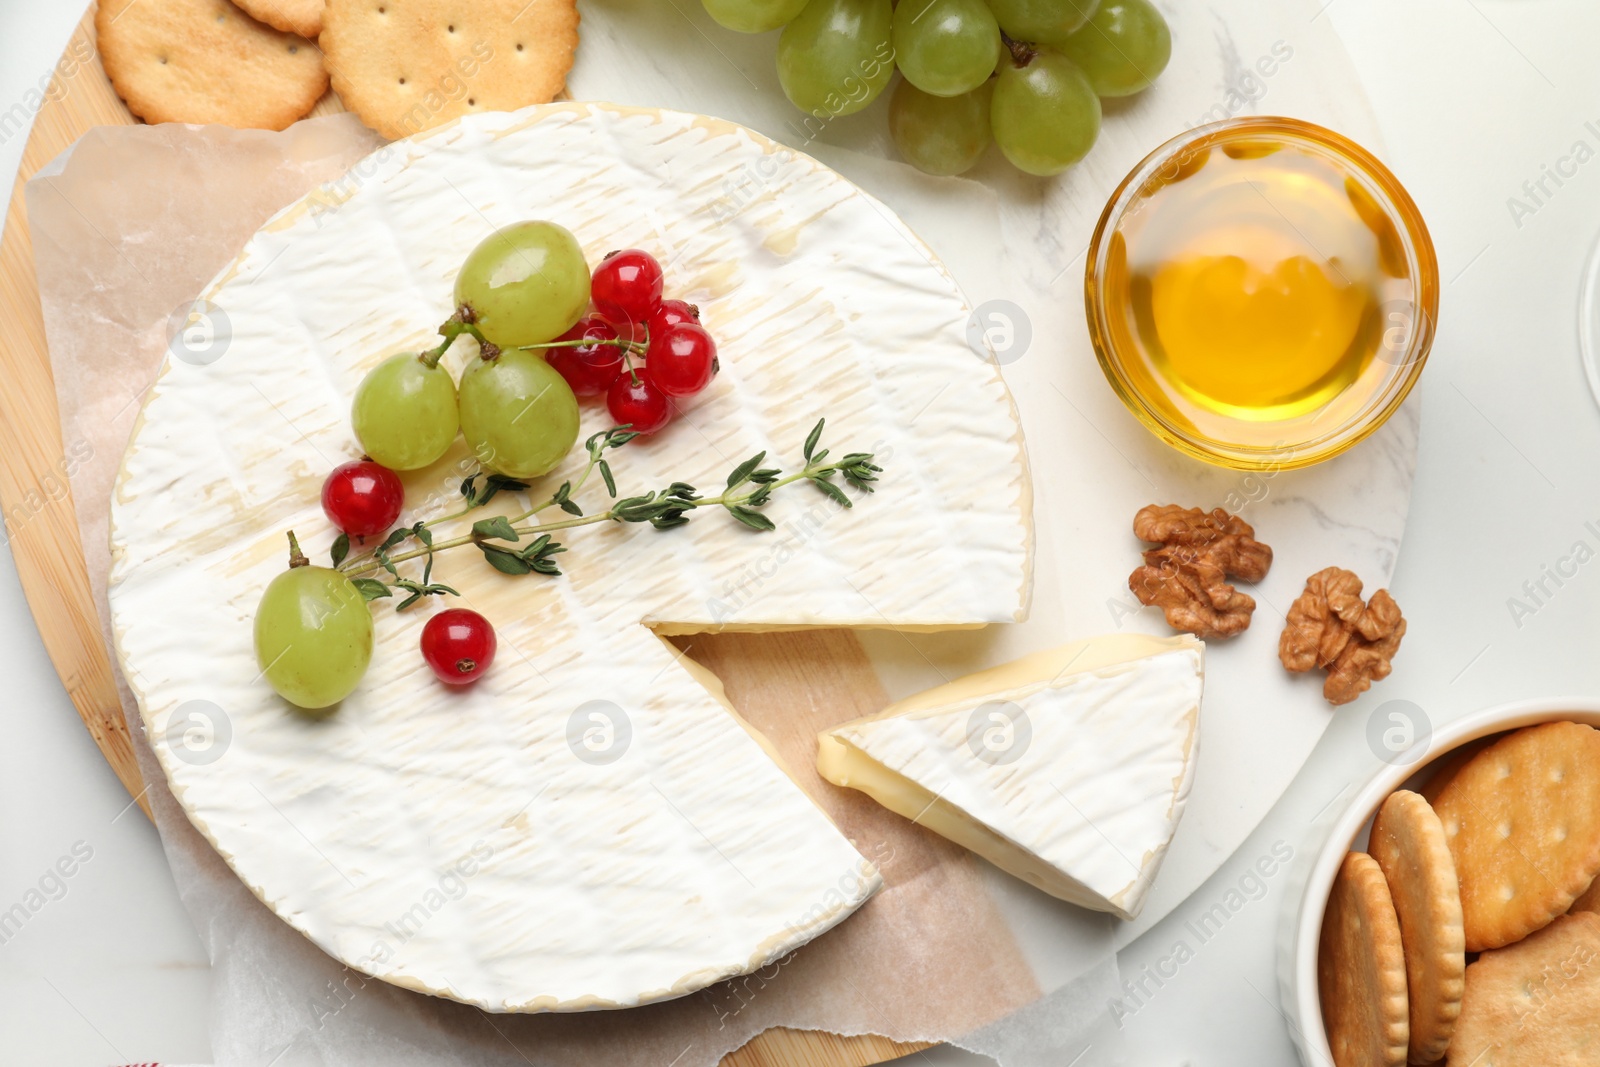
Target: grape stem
{"points": [[465, 321], [583, 342], [1022, 53], [297, 558]]}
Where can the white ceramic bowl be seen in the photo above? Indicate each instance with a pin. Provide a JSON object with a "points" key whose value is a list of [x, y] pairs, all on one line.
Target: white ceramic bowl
{"points": [[1302, 925]]}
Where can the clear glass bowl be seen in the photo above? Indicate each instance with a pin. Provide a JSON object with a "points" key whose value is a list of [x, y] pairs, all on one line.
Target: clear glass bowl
{"points": [[1402, 307]]}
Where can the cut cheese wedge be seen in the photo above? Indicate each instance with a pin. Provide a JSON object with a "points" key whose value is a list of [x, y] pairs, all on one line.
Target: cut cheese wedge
{"points": [[1068, 768], [588, 826]]}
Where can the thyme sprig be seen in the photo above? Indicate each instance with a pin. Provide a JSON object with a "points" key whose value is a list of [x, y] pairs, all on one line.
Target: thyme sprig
{"points": [[516, 549], [375, 589], [480, 488]]}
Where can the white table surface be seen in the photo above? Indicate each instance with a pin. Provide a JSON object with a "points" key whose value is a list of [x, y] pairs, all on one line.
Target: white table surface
{"points": [[1476, 97]]}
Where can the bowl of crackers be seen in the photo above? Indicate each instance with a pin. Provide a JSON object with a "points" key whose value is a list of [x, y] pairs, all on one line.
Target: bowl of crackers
{"points": [[1454, 913]]}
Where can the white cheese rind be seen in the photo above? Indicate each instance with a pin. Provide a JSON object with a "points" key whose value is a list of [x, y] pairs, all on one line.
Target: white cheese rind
{"points": [[1078, 795], [456, 843]]}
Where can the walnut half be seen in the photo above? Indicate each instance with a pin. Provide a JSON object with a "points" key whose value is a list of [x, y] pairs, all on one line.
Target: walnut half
{"points": [[1187, 577], [1329, 626]]}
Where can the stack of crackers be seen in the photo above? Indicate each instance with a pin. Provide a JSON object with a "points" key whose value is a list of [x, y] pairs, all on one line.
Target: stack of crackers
{"points": [[1470, 929], [403, 66]]}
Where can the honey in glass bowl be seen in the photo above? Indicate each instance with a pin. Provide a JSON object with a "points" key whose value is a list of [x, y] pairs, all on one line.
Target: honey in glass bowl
{"points": [[1262, 293]]}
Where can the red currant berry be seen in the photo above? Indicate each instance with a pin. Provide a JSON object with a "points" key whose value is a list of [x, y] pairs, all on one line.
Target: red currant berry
{"points": [[459, 645], [682, 359], [635, 400], [671, 313], [626, 287], [362, 499], [589, 369]]}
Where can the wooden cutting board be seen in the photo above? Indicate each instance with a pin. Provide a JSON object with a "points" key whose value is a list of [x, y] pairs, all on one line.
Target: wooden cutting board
{"points": [[42, 530]]}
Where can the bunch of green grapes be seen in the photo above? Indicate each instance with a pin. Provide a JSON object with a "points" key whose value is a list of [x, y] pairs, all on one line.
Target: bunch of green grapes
{"points": [[1027, 74], [523, 285]]}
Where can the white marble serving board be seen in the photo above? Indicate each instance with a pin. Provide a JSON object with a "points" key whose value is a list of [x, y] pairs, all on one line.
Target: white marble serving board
{"points": [[1022, 240]]}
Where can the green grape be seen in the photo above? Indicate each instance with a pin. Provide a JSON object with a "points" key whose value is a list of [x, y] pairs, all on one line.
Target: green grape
{"points": [[753, 16], [518, 415], [940, 134], [1123, 48], [946, 47], [1042, 21], [1045, 114], [404, 413], [313, 636], [527, 283], [837, 56]]}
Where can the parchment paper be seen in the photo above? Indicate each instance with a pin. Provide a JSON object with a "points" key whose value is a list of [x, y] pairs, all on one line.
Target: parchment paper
{"points": [[118, 265]]}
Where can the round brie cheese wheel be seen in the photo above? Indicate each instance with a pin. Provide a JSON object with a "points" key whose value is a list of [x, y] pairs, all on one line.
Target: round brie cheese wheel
{"points": [[590, 825]]}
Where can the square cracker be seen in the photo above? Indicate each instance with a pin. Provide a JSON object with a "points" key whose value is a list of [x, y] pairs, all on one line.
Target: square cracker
{"points": [[205, 61], [1523, 822], [405, 66], [1535, 1003], [291, 16]]}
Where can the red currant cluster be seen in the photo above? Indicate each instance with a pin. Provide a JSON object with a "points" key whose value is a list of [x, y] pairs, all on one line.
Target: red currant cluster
{"points": [[680, 356]]}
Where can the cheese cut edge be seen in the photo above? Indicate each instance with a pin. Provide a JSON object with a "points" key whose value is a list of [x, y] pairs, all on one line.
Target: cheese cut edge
{"points": [[845, 765]]}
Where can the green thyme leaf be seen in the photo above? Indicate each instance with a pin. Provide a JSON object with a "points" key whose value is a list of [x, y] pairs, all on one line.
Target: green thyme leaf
{"points": [[570, 508], [503, 561], [498, 527], [341, 549], [812, 439], [539, 546], [537, 555], [742, 472], [394, 538], [418, 590], [753, 519], [640, 508], [832, 491], [371, 589], [493, 486], [860, 477], [611, 483]]}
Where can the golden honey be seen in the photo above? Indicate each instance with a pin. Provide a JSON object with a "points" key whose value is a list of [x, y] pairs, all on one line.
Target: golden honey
{"points": [[1262, 293]]}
